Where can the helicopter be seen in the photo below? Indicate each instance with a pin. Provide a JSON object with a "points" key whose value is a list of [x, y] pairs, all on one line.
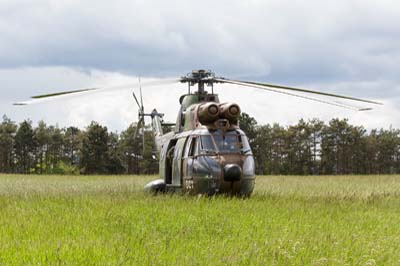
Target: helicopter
{"points": [[207, 152]]}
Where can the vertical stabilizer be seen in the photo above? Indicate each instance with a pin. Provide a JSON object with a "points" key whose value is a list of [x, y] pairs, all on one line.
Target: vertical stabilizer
{"points": [[156, 124]]}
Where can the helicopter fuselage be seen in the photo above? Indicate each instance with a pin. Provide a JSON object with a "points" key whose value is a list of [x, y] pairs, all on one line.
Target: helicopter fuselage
{"points": [[206, 161], [207, 153]]}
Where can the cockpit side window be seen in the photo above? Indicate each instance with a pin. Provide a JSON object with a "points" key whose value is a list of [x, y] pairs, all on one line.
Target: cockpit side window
{"points": [[193, 147], [245, 146]]}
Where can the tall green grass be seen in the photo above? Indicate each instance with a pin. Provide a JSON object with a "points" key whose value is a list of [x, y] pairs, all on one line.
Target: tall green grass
{"points": [[108, 220]]}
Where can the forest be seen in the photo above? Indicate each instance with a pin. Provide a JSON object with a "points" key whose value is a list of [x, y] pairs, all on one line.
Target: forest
{"points": [[307, 148]]}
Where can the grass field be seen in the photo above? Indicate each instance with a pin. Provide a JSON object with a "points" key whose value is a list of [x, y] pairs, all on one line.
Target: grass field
{"points": [[108, 220]]}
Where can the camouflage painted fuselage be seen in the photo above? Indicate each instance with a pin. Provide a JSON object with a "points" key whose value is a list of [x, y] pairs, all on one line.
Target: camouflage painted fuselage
{"points": [[207, 153]]}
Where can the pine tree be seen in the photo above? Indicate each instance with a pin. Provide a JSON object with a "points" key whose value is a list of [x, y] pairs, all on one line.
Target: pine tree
{"points": [[24, 147], [7, 135], [94, 154]]}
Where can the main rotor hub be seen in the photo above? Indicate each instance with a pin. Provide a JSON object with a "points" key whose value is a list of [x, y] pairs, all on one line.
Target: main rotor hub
{"points": [[201, 77]]}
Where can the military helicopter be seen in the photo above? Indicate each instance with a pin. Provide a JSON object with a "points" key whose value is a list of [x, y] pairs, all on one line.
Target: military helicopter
{"points": [[207, 152]]}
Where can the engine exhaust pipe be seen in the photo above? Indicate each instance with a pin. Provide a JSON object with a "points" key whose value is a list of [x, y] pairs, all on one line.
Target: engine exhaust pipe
{"points": [[231, 112]]}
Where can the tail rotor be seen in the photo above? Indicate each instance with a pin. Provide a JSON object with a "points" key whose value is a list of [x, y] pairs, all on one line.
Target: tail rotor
{"points": [[141, 122]]}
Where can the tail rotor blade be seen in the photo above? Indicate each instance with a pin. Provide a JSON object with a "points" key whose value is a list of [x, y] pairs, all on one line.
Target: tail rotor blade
{"points": [[141, 97], [143, 138], [140, 126], [137, 129], [136, 100]]}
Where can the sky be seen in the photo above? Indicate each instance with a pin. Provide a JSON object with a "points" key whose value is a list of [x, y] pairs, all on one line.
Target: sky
{"points": [[345, 46]]}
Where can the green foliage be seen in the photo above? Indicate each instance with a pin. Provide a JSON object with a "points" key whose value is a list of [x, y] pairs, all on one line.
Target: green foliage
{"points": [[72, 142], [108, 220], [24, 147], [248, 124], [94, 156], [64, 169], [129, 150], [134, 157], [7, 141], [306, 148], [312, 147]]}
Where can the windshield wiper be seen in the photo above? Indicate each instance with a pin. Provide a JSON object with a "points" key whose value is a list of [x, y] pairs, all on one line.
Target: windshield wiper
{"points": [[209, 151]]}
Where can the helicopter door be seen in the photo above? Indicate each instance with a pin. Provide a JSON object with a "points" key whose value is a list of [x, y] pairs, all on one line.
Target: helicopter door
{"points": [[189, 156], [177, 163], [186, 170], [166, 161]]}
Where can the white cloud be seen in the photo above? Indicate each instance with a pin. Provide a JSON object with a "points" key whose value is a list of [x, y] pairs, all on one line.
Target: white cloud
{"points": [[259, 38], [349, 47]]}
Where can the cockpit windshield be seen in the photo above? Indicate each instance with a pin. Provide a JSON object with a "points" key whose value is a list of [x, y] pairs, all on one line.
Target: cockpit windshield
{"points": [[207, 144], [229, 142]]}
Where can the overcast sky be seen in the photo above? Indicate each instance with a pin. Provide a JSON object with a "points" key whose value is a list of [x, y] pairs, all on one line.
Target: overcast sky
{"points": [[342, 46]]}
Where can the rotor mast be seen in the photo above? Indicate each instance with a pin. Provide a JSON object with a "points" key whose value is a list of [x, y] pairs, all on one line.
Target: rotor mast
{"points": [[202, 78]]}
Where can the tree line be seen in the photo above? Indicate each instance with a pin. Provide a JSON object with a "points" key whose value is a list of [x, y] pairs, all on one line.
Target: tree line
{"points": [[44, 149], [308, 148], [314, 147]]}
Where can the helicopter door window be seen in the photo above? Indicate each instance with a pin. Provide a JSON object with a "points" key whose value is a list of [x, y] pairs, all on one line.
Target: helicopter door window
{"points": [[193, 147], [188, 147]]}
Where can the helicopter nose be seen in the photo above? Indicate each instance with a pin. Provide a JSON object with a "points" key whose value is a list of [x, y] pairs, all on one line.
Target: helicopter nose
{"points": [[232, 172]]}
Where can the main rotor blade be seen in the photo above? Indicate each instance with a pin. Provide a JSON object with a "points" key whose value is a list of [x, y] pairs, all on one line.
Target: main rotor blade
{"points": [[61, 93], [295, 95], [38, 98], [300, 90]]}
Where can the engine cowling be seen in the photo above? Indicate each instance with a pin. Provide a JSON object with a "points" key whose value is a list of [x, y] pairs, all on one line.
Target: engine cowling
{"points": [[208, 113]]}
